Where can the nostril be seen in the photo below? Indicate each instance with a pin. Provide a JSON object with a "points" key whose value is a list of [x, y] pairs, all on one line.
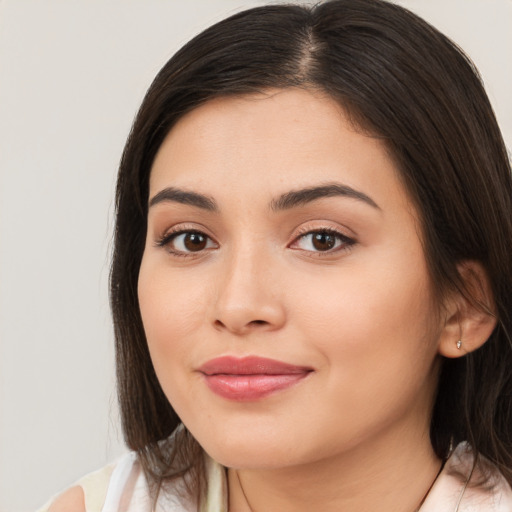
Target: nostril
{"points": [[218, 323]]}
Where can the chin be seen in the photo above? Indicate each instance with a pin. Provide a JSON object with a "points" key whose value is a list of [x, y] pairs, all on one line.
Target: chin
{"points": [[247, 453]]}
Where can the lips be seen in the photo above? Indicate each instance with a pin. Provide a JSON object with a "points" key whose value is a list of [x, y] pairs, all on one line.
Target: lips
{"points": [[250, 378]]}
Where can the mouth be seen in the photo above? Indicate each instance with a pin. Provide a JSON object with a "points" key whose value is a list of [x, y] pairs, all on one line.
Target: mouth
{"points": [[250, 378]]}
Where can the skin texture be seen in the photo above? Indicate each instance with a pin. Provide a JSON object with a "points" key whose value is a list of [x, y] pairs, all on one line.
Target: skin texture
{"points": [[361, 315], [71, 500]]}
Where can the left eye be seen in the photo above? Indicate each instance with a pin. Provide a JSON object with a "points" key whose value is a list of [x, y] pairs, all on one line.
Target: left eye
{"points": [[322, 241], [188, 241]]}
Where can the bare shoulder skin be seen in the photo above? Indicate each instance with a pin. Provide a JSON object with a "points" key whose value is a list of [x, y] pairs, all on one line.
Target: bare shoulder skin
{"points": [[71, 500]]}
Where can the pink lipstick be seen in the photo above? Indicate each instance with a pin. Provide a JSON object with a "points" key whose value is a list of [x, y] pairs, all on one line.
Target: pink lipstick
{"points": [[250, 378]]}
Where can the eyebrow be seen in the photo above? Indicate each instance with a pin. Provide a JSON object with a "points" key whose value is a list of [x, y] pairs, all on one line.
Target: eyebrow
{"points": [[286, 201], [306, 195], [171, 194]]}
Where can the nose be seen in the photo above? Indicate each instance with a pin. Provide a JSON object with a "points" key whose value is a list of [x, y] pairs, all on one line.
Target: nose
{"points": [[248, 297]]}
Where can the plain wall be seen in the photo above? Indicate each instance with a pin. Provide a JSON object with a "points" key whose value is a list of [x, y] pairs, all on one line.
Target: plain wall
{"points": [[72, 74]]}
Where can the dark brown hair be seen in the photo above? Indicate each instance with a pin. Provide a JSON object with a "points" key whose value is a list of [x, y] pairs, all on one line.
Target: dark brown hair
{"points": [[405, 82]]}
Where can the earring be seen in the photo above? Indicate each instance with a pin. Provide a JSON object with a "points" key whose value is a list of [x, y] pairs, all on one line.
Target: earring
{"points": [[459, 344]]}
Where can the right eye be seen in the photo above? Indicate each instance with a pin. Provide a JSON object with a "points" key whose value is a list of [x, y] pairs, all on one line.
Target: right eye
{"points": [[187, 242]]}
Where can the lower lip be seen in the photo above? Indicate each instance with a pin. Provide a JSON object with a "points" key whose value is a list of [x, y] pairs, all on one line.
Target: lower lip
{"points": [[242, 388]]}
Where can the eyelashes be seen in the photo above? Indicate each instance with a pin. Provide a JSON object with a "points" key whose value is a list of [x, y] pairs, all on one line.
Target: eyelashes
{"points": [[319, 242], [186, 242], [324, 240]]}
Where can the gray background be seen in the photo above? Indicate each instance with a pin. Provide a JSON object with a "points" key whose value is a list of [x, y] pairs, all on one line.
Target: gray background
{"points": [[72, 74]]}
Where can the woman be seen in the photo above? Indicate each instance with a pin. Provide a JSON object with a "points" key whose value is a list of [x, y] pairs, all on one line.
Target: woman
{"points": [[311, 277]]}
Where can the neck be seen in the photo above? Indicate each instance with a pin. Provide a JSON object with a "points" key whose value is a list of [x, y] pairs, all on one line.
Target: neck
{"points": [[389, 475]]}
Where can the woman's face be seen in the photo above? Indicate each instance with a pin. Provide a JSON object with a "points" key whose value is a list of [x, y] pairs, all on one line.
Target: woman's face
{"points": [[283, 289]]}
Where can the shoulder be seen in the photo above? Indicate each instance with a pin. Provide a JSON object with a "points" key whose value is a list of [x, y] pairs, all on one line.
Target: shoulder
{"points": [[468, 487], [72, 500], [88, 493], [123, 486], [485, 489]]}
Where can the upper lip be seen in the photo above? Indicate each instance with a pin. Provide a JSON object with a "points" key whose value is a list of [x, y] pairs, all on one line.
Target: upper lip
{"points": [[250, 365]]}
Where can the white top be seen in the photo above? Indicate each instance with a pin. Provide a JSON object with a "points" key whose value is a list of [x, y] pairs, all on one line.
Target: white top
{"points": [[122, 487]]}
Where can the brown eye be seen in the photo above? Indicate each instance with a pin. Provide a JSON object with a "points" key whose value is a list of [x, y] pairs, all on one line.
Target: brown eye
{"points": [[323, 241], [194, 241], [186, 242]]}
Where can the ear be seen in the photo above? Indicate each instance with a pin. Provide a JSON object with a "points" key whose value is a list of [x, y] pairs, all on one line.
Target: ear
{"points": [[469, 318]]}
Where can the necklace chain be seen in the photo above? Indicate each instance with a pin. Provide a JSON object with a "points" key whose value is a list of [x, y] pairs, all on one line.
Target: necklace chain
{"points": [[416, 510], [243, 491]]}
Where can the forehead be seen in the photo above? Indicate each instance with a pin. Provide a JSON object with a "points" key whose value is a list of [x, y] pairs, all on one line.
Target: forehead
{"points": [[272, 141]]}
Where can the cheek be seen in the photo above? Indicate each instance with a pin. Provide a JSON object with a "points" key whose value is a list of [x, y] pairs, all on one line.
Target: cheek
{"points": [[378, 344], [374, 312], [172, 306]]}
